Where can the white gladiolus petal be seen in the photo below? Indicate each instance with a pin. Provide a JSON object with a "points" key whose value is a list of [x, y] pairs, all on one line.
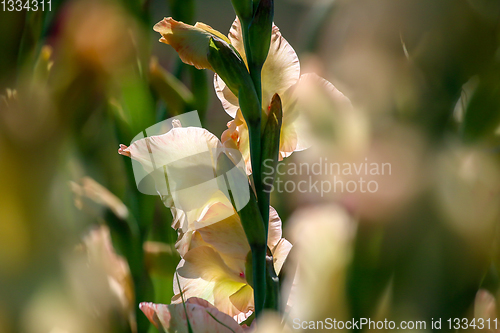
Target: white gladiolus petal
{"points": [[182, 163], [228, 99]]}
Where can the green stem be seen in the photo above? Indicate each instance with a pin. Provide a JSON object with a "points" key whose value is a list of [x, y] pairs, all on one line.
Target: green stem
{"points": [[255, 141], [260, 273], [258, 250], [263, 200], [272, 284], [255, 74], [254, 69], [258, 253], [259, 276], [252, 225]]}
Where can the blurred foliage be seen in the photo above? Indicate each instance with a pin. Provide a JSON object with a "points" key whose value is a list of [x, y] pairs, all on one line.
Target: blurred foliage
{"points": [[82, 78]]}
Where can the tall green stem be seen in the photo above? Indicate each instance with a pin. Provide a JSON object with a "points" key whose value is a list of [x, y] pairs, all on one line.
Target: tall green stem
{"points": [[258, 250], [256, 40], [259, 276], [255, 70]]}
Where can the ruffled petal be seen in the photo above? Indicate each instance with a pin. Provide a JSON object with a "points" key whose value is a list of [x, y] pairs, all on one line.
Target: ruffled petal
{"points": [[288, 139], [274, 233], [158, 314], [302, 103], [179, 218], [212, 31], [182, 162], [237, 136], [193, 288], [317, 105], [203, 317], [236, 39], [224, 291], [203, 273], [188, 241], [280, 253], [227, 237], [190, 42], [243, 299], [280, 71], [206, 263], [217, 209], [228, 99]]}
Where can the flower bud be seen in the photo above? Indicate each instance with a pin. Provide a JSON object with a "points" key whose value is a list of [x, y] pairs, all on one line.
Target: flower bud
{"points": [[243, 9], [231, 68], [260, 32], [228, 64], [271, 135]]}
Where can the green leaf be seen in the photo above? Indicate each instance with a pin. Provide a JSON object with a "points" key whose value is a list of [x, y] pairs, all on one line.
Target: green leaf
{"points": [[183, 10], [482, 114], [160, 258], [137, 104], [173, 92], [200, 88]]}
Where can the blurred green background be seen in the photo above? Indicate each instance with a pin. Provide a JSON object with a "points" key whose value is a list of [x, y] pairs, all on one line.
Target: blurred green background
{"points": [[76, 81]]}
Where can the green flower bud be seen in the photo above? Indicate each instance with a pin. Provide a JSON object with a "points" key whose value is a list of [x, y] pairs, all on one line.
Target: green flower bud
{"points": [[229, 65], [260, 31], [271, 135], [243, 9]]}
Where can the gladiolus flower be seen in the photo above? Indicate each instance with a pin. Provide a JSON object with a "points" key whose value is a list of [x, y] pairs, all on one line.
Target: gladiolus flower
{"points": [[280, 75], [214, 260], [212, 241]]}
